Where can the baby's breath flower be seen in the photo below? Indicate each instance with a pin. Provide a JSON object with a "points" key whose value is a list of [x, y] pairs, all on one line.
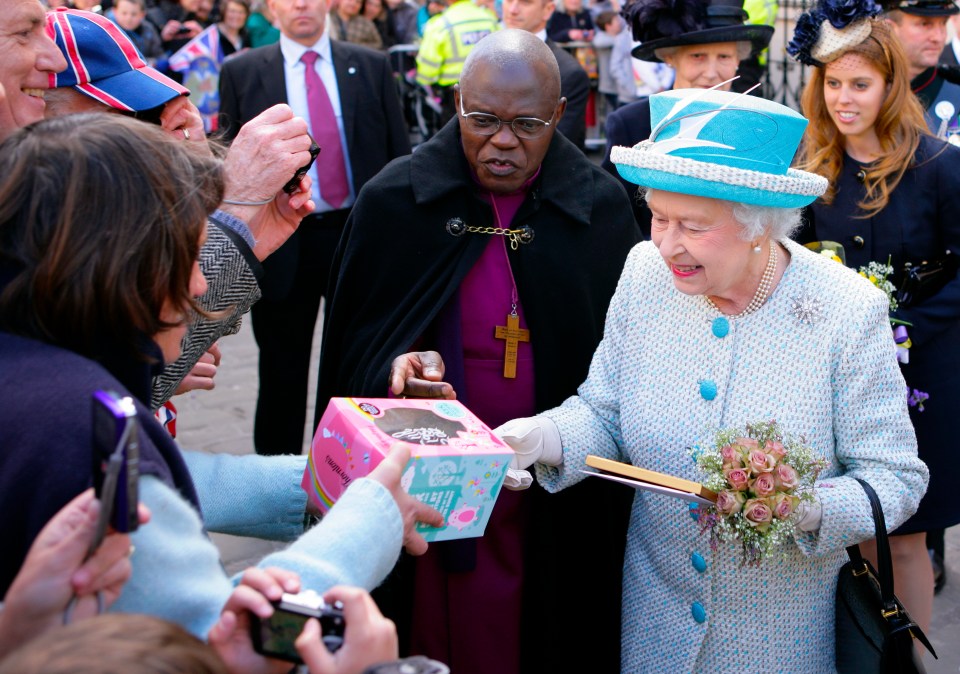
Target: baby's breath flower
{"points": [[760, 537]]}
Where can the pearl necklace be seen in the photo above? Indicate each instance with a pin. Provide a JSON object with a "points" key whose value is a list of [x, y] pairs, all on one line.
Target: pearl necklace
{"points": [[763, 290]]}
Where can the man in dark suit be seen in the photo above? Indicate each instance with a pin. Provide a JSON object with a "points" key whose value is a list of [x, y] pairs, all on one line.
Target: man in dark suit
{"points": [[348, 95], [532, 16]]}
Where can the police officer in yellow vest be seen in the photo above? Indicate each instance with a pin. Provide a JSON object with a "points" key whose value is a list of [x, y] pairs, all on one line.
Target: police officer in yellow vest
{"points": [[447, 39]]}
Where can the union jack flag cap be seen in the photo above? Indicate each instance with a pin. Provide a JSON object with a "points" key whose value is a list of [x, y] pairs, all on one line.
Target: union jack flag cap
{"points": [[104, 64]]}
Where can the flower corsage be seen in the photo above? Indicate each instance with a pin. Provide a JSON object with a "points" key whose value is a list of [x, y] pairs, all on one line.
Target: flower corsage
{"points": [[761, 476], [879, 275]]}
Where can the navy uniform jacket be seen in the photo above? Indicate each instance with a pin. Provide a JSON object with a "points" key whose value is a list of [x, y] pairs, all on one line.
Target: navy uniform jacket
{"points": [[933, 85]]}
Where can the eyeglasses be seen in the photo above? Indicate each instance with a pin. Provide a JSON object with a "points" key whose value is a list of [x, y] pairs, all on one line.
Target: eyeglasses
{"points": [[485, 124]]}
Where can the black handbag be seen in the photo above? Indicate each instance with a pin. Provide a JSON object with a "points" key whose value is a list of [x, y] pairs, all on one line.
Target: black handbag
{"points": [[923, 281], [874, 633]]}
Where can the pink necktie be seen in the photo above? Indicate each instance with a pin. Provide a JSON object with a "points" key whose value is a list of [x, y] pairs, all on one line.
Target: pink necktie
{"points": [[331, 167]]}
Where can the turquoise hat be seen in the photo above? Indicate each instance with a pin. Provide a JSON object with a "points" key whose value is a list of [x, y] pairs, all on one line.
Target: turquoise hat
{"points": [[722, 145]]}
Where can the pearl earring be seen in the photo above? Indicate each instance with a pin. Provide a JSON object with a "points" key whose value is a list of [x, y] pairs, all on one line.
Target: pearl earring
{"points": [[757, 249]]}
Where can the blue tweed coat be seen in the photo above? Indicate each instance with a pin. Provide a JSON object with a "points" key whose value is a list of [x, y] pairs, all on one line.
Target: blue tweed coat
{"points": [[819, 358]]}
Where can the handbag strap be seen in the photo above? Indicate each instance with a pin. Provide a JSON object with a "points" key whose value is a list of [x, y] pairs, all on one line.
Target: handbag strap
{"points": [[892, 609], [884, 560]]}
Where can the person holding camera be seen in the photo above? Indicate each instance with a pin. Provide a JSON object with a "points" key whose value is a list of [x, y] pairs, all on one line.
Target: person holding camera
{"points": [[348, 95], [106, 74], [99, 237], [59, 571], [265, 606]]}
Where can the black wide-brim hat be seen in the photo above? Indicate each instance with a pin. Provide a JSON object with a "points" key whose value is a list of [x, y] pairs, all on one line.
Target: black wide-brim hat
{"points": [[758, 36], [657, 24]]}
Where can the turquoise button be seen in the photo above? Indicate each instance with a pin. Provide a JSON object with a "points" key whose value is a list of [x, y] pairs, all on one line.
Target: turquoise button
{"points": [[699, 563], [698, 612], [694, 511], [708, 389], [721, 327]]}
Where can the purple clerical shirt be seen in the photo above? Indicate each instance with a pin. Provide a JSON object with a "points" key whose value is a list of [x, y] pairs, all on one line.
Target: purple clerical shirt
{"points": [[468, 614], [486, 298]]}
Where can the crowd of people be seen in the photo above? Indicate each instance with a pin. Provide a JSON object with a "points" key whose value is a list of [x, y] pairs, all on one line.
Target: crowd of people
{"points": [[667, 292]]}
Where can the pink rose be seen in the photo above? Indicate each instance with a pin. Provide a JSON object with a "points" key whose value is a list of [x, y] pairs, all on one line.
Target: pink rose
{"points": [[784, 505], [785, 476], [738, 478], [764, 485], [760, 462], [775, 449], [730, 456], [746, 443], [758, 513], [730, 502]]}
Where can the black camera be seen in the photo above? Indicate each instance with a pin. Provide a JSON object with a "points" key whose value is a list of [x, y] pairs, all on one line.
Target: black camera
{"points": [[274, 637], [294, 183]]}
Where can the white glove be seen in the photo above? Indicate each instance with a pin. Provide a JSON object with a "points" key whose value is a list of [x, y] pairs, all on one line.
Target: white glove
{"points": [[809, 515], [517, 480], [533, 439]]}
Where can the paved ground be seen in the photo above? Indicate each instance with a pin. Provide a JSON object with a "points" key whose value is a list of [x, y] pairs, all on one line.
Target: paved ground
{"points": [[222, 421]]}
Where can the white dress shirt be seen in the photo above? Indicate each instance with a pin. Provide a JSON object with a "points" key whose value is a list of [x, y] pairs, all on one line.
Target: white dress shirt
{"points": [[293, 72]]}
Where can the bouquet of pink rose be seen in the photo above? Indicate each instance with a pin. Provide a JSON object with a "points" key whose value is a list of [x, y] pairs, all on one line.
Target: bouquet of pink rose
{"points": [[761, 476]]}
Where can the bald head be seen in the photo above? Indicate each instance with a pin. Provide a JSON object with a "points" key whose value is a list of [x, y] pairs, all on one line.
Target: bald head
{"points": [[510, 52]]}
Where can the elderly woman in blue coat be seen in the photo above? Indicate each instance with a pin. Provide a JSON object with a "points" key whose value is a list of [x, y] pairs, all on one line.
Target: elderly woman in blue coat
{"points": [[718, 322]]}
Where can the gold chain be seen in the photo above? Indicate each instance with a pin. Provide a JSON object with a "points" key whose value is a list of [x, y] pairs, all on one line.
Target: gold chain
{"points": [[512, 234]]}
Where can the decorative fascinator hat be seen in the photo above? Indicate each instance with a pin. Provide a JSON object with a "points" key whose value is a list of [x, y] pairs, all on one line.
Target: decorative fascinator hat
{"points": [[721, 145], [676, 23], [830, 29]]}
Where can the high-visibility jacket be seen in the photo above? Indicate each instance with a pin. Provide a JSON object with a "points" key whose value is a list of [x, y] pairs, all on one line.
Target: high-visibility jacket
{"points": [[762, 12], [448, 38]]}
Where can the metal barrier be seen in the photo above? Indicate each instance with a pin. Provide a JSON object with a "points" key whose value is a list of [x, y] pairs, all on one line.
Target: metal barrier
{"points": [[785, 78]]}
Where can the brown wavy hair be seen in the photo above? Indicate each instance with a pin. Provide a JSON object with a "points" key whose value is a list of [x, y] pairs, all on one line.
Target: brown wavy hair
{"points": [[100, 223], [899, 123]]}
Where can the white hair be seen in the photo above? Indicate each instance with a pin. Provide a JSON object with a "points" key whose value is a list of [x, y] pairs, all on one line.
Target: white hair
{"points": [[757, 221], [744, 49]]}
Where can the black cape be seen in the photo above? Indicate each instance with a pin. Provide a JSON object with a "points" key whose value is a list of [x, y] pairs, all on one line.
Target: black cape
{"points": [[396, 268]]}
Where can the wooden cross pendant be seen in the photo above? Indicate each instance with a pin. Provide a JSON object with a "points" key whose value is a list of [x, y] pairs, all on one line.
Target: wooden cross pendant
{"points": [[513, 334]]}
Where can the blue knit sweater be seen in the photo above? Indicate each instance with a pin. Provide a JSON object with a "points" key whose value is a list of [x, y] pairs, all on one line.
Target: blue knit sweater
{"points": [[45, 461]]}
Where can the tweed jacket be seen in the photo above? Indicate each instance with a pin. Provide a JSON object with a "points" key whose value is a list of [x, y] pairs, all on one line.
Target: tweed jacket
{"points": [[231, 271], [819, 358]]}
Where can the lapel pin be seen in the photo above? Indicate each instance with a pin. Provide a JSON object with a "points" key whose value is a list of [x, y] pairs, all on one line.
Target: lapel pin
{"points": [[352, 70]]}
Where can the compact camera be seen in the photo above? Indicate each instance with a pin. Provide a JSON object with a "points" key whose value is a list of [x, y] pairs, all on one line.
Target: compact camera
{"points": [[274, 637], [116, 459]]}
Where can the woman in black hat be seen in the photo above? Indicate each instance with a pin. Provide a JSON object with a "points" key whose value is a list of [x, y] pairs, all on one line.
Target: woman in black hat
{"points": [[703, 41]]}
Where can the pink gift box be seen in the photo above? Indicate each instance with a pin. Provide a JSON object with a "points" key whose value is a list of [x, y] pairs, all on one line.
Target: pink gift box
{"points": [[457, 464]]}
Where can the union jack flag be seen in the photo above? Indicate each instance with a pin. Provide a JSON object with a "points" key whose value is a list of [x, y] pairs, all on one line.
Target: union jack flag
{"points": [[199, 60], [167, 416]]}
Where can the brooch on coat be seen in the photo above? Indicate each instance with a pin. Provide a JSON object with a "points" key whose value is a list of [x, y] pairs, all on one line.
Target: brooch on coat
{"points": [[806, 308]]}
